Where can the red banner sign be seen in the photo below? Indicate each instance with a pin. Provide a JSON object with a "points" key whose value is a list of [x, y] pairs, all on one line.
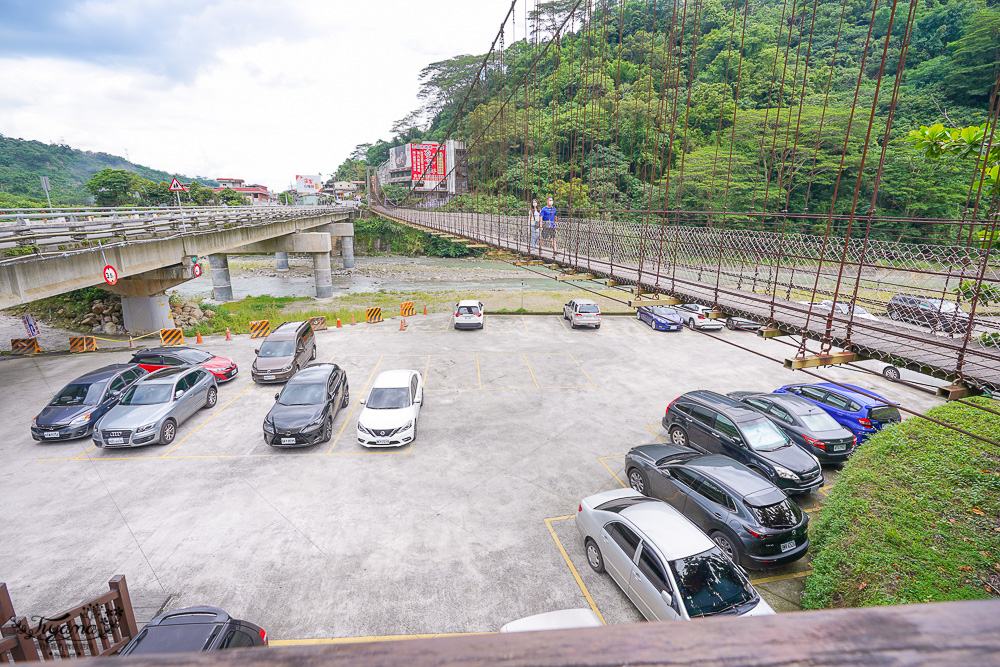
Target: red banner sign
{"points": [[429, 157]]}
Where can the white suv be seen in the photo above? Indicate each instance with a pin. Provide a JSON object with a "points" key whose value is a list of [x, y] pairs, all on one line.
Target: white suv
{"points": [[583, 312], [469, 314]]}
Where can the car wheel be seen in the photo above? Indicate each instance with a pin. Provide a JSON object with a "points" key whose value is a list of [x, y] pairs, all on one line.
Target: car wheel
{"points": [[327, 429], [594, 558], [691, 323], [678, 436], [212, 398], [652, 325], [638, 316], [572, 325], [313, 357], [763, 474], [893, 315], [727, 546], [598, 326], [168, 432], [891, 372], [637, 480], [347, 397], [730, 326]]}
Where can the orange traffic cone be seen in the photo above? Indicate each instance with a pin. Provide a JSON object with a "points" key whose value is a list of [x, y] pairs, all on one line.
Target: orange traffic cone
{"points": [[352, 319], [338, 323], [227, 334], [131, 343], [198, 339], [402, 324], [425, 310]]}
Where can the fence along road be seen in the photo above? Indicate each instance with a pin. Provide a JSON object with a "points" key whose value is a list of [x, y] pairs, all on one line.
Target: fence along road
{"points": [[778, 279]]}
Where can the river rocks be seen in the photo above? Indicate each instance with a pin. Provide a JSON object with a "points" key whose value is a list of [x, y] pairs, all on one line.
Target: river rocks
{"points": [[189, 314], [105, 317]]}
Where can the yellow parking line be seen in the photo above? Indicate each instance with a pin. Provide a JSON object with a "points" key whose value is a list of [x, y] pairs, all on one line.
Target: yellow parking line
{"points": [[650, 429], [84, 453], [825, 490], [447, 324], [582, 371], [576, 575], [530, 371], [562, 320], [373, 638], [427, 369], [617, 456], [524, 322], [357, 401], [782, 577], [486, 323], [479, 372], [375, 452], [211, 417]]}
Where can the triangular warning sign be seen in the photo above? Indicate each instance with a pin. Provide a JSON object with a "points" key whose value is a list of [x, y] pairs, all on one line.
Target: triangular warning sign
{"points": [[175, 186]]}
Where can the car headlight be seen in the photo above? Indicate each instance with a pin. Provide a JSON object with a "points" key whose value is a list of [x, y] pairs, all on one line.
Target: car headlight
{"points": [[785, 473], [407, 426], [268, 427], [363, 429], [80, 421], [313, 425], [145, 427], [285, 368]]}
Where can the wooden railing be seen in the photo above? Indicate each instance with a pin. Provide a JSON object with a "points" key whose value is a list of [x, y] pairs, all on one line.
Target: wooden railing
{"points": [[952, 633], [98, 627]]}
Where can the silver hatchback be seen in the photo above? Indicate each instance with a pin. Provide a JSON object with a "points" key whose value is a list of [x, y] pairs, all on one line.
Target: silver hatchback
{"points": [[151, 410]]}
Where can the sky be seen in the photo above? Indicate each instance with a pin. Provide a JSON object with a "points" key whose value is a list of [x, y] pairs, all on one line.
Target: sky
{"points": [[251, 89]]}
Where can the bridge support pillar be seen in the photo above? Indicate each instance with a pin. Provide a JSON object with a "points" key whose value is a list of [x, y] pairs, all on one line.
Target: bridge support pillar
{"points": [[347, 250], [322, 274], [222, 286], [146, 314], [281, 260]]}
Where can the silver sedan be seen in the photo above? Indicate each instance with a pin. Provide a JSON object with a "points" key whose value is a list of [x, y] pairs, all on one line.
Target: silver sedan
{"points": [[152, 409]]}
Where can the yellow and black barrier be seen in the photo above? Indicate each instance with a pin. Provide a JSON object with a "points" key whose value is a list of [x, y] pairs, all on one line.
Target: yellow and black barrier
{"points": [[82, 344], [260, 328], [373, 315], [407, 309], [318, 323], [171, 337], [24, 346]]}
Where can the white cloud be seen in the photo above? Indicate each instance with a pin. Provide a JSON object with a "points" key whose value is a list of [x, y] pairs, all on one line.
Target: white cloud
{"points": [[259, 98]]}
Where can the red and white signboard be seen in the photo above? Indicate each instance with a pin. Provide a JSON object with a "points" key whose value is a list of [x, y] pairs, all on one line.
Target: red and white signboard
{"points": [[110, 275], [175, 186], [309, 185], [429, 157], [196, 270]]}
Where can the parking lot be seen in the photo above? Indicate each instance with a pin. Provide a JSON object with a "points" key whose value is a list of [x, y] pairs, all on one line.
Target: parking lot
{"points": [[464, 530]]}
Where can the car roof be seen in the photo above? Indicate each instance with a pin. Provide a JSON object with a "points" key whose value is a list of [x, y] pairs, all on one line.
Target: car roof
{"points": [[732, 408], [398, 378], [855, 393], [166, 375], [733, 474], [671, 533], [587, 301], [313, 372], [286, 330], [186, 629], [795, 404], [164, 350], [103, 373], [469, 302]]}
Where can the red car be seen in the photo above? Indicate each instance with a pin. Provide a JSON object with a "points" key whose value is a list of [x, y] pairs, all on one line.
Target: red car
{"points": [[153, 358]]}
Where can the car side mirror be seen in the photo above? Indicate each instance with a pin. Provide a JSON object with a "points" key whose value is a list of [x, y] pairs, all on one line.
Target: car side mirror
{"points": [[116, 394], [277, 395], [257, 351], [361, 401], [178, 394], [668, 597]]}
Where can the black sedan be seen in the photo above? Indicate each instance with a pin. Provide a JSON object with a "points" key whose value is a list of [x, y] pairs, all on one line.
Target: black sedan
{"points": [[808, 425], [195, 629], [73, 412], [306, 408], [750, 518]]}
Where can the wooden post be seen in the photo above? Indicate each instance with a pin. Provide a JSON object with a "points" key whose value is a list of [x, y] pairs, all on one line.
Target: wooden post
{"points": [[23, 649], [126, 618], [6, 606]]}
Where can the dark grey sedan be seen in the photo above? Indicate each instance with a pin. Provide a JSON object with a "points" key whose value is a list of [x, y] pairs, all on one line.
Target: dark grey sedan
{"points": [[808, 425], [304, 411], [73, 412], [751, 519], [152, 409]]}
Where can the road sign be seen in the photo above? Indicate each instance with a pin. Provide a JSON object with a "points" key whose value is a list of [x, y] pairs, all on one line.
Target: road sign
{"points": [[45, 183], [30, 325], [175, 186], [110, 275], [196, 270]]}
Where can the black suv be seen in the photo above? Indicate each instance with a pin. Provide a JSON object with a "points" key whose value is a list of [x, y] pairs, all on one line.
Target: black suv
{"points": [[194, 629], [304, 411], [938, 314], [716, 424], [750, 519]]}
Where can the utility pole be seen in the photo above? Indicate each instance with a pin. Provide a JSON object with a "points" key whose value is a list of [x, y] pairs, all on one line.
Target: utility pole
{"points": [[45, 186]]}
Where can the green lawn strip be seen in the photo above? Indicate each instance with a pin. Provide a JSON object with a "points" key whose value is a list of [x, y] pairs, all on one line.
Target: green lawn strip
{"points": [[914, 517]]}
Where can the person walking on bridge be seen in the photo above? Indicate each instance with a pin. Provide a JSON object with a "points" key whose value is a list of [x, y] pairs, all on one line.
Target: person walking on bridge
{"points": [[549, 219], [535, 222]]}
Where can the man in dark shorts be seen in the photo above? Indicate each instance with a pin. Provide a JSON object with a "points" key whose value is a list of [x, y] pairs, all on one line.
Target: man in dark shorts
{"points": [[549, 218]]}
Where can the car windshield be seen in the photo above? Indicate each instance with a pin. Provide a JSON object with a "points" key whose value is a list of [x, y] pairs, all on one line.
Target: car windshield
{"points": [[944, 306], [80, 394], [387, 398], [277, 348], [147, 394], [710, 583], [588, 308], [884, 413], [819, 421], [779, 515], [302, 394], [467, 310], [663, 311], [763, 436], [193, 356]]}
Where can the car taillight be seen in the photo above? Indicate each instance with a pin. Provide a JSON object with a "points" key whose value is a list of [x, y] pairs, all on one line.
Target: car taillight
{"points": [[759, 536], [669, 404], [479, 314], [263, 636], [701, 317], [867, 423], [580, 508], [456, 314], [814, 442]]}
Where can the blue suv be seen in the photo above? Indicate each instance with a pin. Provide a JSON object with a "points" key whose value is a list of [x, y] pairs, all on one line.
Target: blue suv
{"points": [[862, 411]]}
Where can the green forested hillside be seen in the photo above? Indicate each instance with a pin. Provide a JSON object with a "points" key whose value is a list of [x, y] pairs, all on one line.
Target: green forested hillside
{"points": [[711, 104], [23, 162]]}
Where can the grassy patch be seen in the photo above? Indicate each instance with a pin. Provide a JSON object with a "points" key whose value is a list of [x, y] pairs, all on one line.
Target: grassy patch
{"points": [[914, 517], [64, 310]]}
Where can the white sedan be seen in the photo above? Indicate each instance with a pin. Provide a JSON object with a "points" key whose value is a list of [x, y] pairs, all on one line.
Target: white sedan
{"points": [[389, 418], [695, 315]]}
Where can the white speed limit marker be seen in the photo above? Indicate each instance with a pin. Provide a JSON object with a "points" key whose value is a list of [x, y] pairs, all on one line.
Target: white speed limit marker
{"points": [[110, 275], [196, 270]]}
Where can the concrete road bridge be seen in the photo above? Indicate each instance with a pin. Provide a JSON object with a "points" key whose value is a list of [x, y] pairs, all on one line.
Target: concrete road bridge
{"points": [[45, 253], [780, 280]]}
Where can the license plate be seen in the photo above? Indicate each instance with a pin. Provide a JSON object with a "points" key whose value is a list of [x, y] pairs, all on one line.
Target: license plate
{"points": [[51, 434], [116, 441], [382, 441], [839, 448], [787, 546], [268, 377], [288, 441]]}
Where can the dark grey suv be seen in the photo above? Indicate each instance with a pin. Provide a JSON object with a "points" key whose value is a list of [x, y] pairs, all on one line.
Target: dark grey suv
{"points": [[716, 424], [195, 629], [938, 314], [751, 520]]}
